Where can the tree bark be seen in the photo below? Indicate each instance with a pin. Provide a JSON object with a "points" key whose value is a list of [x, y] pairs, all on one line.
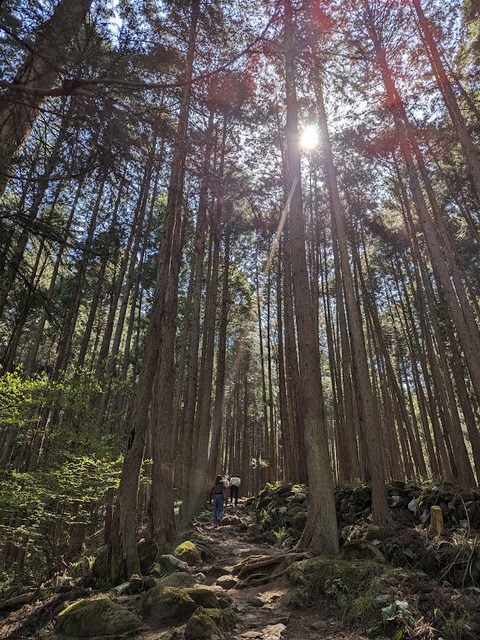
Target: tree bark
{"points": [[321, 531], [156, 384], [161, 514], [218, 407], [445, 86], [19, 110], [368, 417]]}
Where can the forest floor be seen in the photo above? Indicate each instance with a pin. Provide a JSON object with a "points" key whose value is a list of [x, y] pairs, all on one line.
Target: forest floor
{"points": [[263, 611]]}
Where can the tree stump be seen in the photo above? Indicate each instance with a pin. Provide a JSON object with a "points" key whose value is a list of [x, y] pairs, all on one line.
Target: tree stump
{"points": [[436, 522]]}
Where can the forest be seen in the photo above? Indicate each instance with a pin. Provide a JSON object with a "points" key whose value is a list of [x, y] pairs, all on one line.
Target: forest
{"points": [[234, 238]]}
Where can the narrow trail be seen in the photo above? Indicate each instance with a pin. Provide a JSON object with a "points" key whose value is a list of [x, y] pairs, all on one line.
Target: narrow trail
{"points": [[263, 610]]}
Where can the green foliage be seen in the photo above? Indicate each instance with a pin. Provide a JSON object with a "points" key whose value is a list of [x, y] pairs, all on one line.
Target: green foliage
{"points": [[397, 610], [453, 626], [20, 396], [281, 534], [42, 505], [81, 568], [60, 465], [68, 405]]}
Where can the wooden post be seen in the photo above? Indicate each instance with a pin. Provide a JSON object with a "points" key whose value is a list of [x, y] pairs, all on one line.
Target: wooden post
{"points": [[436, 522]]}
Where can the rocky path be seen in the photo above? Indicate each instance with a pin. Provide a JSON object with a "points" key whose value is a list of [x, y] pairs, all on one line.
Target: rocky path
{"points": [[263, 611]]}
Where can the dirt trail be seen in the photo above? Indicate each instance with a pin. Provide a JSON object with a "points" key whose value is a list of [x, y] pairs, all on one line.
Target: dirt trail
{"points": [[262, 612]]}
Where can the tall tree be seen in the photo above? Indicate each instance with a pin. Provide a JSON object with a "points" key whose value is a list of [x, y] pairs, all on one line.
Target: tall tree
{"points": [[45, 63], [366, 401], [154, 399], [444, 84], [321, 532]]}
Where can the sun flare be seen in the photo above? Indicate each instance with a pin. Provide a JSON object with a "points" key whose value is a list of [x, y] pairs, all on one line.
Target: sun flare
{"points": [[309, 138]]}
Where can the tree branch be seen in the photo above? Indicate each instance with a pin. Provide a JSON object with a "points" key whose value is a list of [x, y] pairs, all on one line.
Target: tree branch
{"points": [[73, 86]]}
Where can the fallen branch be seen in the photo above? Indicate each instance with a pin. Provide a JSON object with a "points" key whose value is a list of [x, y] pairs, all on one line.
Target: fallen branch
{"points": [[18, 601]]}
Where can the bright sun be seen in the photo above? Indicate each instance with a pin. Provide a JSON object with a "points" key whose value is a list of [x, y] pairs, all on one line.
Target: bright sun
{"points": [[309, 138]]}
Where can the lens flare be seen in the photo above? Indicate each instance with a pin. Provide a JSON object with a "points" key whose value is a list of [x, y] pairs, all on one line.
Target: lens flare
{"points": [[310, 137]]}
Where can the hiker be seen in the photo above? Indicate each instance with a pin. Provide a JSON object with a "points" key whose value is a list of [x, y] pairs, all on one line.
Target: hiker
{"points": [[234, 485], [217, 492], [226, 486]]}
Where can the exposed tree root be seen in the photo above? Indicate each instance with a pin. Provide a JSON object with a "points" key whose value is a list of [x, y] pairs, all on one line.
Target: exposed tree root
{"points": [[256, 570], [205, 550], [18, 601]]}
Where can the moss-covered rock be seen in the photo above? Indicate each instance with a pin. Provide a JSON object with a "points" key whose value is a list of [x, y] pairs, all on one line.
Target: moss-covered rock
{"points": [[331, 576], [362, 496], [100, 566], [272, 493], [205, 597], [92, 618], [224, 600], [179, 579], [298, 522], [147, 554], [382, 600], [162, 604], [168, 564], [365, 609], [207, 622], [361, 550], [409, 547], [187, 552], [375, 533]]}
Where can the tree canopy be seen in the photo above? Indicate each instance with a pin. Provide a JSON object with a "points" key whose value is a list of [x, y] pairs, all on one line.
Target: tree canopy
{"points": [[232, 242]]}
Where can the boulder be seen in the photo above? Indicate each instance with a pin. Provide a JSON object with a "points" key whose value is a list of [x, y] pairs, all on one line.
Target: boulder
{"points": [[206, 623], [204, 597], [188, 552], [162, 604], [224, 600], [361, 497], [227, 582], [93, 618], [168, 564], [100, 566], [361, 550], [298, 522], [147, 554], [180, 580]]}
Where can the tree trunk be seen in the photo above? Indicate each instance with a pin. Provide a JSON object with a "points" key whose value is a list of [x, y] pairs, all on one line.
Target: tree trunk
{"points": [[368, 417], [65, 343], [192, 332], [156, 384], [321, 531], [161, 514], [218, 407], [39, 329], [460, 128], [19, 105], [442, 256], [100, 285]]}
